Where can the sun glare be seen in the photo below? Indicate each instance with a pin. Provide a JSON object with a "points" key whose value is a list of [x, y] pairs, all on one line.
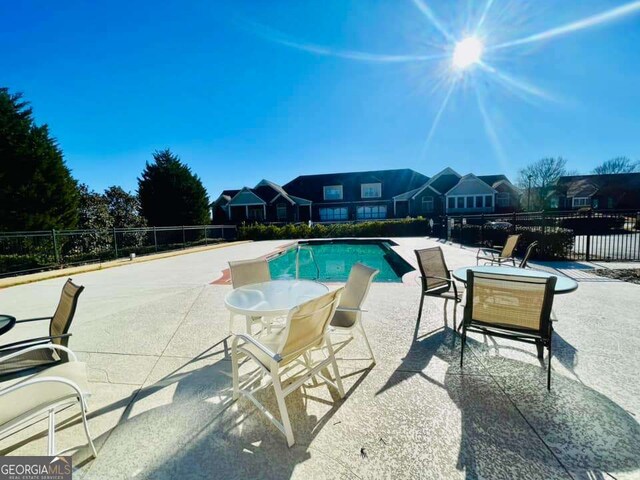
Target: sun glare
{"points": [[467, 52]]}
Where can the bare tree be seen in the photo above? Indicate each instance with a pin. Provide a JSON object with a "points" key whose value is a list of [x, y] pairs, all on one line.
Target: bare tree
{"points": [[617, 165], [537, 179]]}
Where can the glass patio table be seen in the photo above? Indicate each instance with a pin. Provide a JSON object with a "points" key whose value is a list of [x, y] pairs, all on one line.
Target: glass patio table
{"points": [[563, 284], [273, 299], [7, 322]]}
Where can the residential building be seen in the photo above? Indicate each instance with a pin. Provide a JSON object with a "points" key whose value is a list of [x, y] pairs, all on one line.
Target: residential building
{"points": [[600, 192], [354, 195], [371, 195]]}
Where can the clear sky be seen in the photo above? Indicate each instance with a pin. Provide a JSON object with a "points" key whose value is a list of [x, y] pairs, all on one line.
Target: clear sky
{"points": [[272, 89]]}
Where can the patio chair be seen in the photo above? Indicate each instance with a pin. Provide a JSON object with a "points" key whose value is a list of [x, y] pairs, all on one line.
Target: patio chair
{"points": [[532, 246], [247, 272], [348, 315], [499, 255], [510, 306], [43, 395], [436, 280], [282, 351], [59, 325]]}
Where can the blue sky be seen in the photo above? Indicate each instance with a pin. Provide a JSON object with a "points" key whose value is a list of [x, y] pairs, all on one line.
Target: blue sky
{"points": [[248, 90]]}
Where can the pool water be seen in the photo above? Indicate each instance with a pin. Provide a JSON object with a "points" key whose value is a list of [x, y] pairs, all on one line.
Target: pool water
{"points": [[335, 258]]}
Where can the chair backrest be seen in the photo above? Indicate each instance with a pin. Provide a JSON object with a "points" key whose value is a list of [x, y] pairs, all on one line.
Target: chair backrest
{"points": [[510, 246], [357, 288], [307, 324], [511, 302], [246, 272], [532, 246], [63, 316], [431, 262]]}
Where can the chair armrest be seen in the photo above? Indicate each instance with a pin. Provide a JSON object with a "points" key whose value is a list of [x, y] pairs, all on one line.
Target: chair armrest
{"points": [[55, 379], [51, 346], [249, 339], [33, 319], [30, 341], [349, 309], [437, 278]]}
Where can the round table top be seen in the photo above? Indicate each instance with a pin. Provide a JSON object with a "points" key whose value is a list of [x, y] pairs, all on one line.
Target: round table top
{"points": [[6, 323], [272, 299], [563, 284]]}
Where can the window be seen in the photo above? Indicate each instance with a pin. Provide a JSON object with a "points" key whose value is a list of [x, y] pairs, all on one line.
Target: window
{"points": [[451, 202], [479, 201], [554, 202], [469, 202], [488, 201], [256, 213], [596, 203], [370, 190], [333, 192], [372, 212], [502, 199], [427, 204], [581, 201], [281, 211], [460, 202], [609, 202], [332, 214]]}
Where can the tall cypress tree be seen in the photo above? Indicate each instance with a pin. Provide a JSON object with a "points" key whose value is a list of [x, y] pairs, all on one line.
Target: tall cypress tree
{"points": [[37, 190], [170, 194]]}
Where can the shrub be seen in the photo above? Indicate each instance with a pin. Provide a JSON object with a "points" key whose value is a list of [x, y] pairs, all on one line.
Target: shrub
{"points": [[556, 243], [395, 228]]}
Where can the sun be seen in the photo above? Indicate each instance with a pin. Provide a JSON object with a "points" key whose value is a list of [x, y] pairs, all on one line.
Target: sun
{"points": [[467, 52]]}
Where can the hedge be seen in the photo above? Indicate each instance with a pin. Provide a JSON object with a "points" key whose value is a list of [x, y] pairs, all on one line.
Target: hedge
{"points": [[555, 244], [394, 228]]}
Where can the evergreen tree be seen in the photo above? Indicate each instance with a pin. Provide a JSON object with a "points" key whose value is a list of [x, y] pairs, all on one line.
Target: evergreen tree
{"points": [[38, 191], [124, 208], [170, 194]]}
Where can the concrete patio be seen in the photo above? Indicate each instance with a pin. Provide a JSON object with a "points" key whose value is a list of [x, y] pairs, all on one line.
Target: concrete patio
{"points": [[154, 336]]}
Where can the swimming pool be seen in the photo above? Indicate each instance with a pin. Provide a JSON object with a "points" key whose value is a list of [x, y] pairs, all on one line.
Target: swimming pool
{"points": [[334, 259]]}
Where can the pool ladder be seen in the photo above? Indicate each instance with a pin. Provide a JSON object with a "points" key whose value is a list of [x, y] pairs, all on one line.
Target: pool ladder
{"points": [[310, 250]]}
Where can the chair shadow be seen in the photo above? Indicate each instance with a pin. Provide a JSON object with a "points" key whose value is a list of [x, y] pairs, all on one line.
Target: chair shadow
{"points": [[215, 433], [589, 434]]}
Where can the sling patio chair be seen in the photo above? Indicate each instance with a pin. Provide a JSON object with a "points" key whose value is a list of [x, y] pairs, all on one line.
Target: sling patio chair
{"points": [[436, 280], [44, 394], [59, 325], [525, 261], [510, 306], [284, 351], [247, 272], [348, 315], [499, 255]]}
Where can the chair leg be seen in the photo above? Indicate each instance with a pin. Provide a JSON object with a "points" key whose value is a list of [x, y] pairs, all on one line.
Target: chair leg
{"points": [[420, 308], [51, 444], [231, 317], [455, 315], [366, 340], [86, 429], [284, 413], [549, 368], [234, 369], [248, 322], [336, 372], [540, 348], [464, 340]]}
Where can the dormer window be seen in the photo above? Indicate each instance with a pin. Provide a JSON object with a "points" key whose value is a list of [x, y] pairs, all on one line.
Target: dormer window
{"points": [[333, 192], [371, 190]]}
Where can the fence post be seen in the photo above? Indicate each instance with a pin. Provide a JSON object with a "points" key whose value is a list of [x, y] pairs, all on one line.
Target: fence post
{"points": [[543, 236], [482, 229], [155, 239], [184, 239], [55, 246], [588, 248], [115, 241], [204, 227], [513, 224]]}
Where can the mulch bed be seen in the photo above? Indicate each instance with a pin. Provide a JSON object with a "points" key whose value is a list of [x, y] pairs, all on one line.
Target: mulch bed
{"points": [[630, 275]]}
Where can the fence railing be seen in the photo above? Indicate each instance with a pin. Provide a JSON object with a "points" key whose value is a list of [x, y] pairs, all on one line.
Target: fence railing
{"points": [[573, 235], [28, 252]]}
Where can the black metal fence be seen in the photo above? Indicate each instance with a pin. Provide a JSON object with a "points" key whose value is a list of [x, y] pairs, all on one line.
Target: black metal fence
{"points": [[574, 235], [28, 252]]}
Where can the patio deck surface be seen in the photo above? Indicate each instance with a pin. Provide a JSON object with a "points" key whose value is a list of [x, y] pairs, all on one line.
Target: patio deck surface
{"points": [[154, 336]]}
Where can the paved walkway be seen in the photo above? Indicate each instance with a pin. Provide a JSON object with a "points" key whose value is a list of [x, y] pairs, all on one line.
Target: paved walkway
{"points": [[154, 337]]}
